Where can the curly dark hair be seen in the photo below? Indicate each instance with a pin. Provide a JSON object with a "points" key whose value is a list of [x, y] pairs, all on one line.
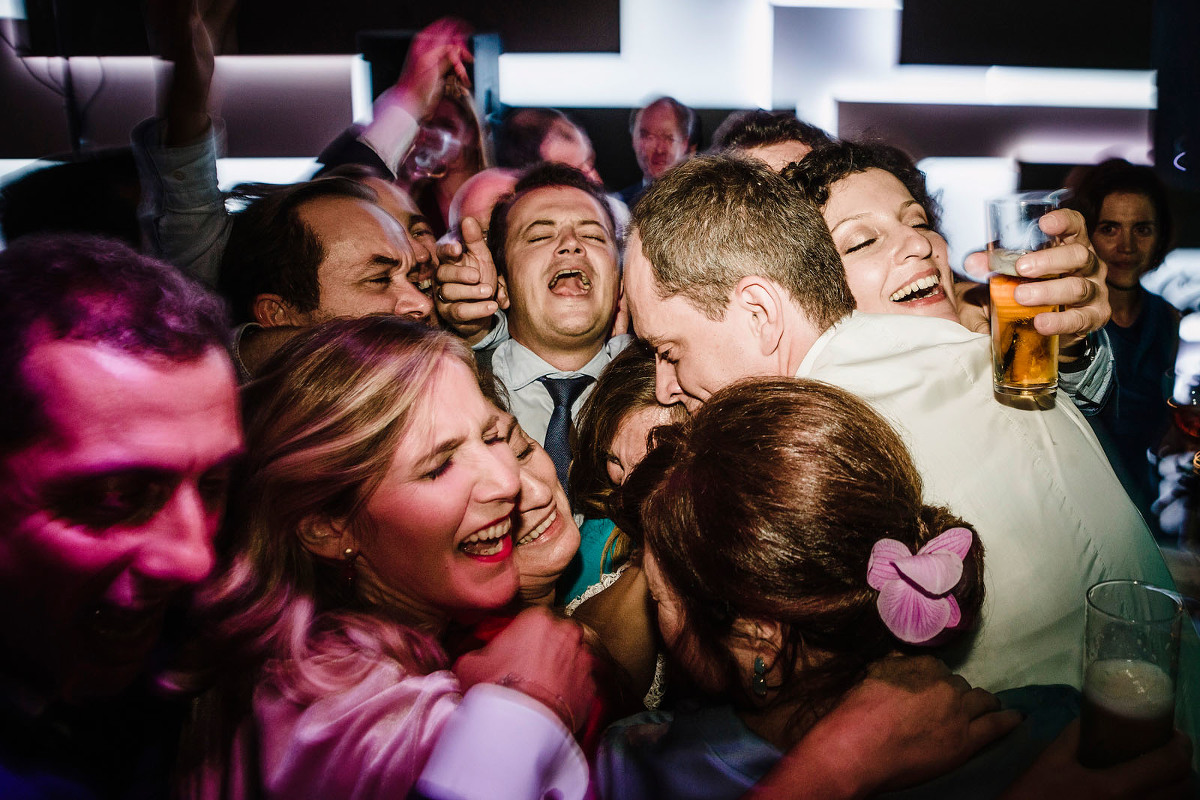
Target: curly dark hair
{"points": [[539, 177], [1118, 175], [828, 164], [742, 130]]}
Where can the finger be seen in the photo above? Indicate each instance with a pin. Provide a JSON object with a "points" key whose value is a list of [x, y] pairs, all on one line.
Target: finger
{"points": [[959, 683], [459, 58], [462, 293], [978, 702], [1066, 259], [471, 231], [976, 265], [1071, 321], [477, 248], [1068, 291], [1063, 222], [461, 274], [988, 728], [467, 312], [449, 250]]}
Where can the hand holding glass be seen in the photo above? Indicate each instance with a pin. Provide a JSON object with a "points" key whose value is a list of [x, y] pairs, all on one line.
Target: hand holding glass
{"points": [[1024, 362]]}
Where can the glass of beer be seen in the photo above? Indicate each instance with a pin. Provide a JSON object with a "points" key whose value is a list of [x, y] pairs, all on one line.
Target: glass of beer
{"points": [[1130, 663], [1024, 362]]}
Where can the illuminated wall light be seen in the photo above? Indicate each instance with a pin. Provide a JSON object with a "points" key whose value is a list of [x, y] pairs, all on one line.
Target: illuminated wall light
{"points": [[293, 69], [12, 9], [232, 171], [1071, 88], [893, 5], [9, 167], [361, 101], [1068, 149], [710, 53]]}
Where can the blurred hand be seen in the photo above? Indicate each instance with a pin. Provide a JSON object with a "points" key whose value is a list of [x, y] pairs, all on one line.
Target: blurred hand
{"points": [[1080, 287], [909, 721], [1158, 775], [466, 294], [973, 304], [183, 39], [544, 657], [437, 53]]}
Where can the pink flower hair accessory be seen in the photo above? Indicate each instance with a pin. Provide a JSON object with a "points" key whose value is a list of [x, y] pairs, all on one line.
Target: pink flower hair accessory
{"points": [[914, 590]]}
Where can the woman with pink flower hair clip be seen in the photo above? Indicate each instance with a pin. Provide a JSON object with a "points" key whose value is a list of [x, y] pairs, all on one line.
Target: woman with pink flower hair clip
{"points": [[790, 555]]}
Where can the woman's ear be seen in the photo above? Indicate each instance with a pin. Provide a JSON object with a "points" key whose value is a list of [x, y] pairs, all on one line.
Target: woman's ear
{"points": [[327, 539], [755, 647], [763, 636]]}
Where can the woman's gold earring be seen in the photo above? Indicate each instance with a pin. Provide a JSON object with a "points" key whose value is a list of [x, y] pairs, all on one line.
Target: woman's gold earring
{"points": [[348, 571]]}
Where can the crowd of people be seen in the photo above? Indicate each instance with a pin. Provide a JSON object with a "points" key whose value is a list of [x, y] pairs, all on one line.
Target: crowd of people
{"points": [[449, 474]]}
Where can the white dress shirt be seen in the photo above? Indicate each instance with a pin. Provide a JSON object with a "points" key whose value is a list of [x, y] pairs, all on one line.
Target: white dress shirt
{"points": [[1052, 516], [518, 368]]}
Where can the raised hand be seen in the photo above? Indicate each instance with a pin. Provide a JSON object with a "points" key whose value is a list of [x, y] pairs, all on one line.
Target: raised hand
{"points": [[467, 287], [1079, 287]]}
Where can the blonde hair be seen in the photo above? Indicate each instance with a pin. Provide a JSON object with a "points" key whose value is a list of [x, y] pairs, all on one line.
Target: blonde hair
{"points": [[322, 426]]}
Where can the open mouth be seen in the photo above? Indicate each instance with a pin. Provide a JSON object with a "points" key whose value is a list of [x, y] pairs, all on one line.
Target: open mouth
{"points": [[570, 282], [125, 627], [541, 528], [491, 542], [920, 289]]}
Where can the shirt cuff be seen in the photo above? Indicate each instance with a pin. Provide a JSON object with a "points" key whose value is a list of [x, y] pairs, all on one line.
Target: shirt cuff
{"points": [[1090, 388], [502, 743], [496, 335], [391, 133], [184, 176]]}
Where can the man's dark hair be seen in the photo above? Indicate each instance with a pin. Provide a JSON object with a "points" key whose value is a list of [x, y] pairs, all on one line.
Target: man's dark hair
{"points": [[742, 130], [827, 165], [97, 194], [272, 251], [1118, 175], [543, 175], [685, 118], [517, 139], [90, 289]]}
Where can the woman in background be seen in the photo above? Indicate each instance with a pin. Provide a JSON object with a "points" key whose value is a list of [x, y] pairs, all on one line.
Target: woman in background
{"points": [[1129, 222]]}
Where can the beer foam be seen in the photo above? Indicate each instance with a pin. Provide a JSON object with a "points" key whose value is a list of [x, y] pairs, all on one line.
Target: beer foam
{"points": [[1136, 689], [1004, 261]]}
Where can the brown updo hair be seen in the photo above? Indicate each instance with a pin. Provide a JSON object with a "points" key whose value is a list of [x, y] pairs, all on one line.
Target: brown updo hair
{"points": [[765, 507]]}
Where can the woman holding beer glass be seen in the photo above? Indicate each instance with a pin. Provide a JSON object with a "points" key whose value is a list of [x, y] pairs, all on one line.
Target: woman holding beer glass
{"points": [[788, 551], [1129, 222], [885, 227]]}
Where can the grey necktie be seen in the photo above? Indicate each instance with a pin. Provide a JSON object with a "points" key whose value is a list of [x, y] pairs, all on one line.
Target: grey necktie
{"points": [[564, 392]]}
